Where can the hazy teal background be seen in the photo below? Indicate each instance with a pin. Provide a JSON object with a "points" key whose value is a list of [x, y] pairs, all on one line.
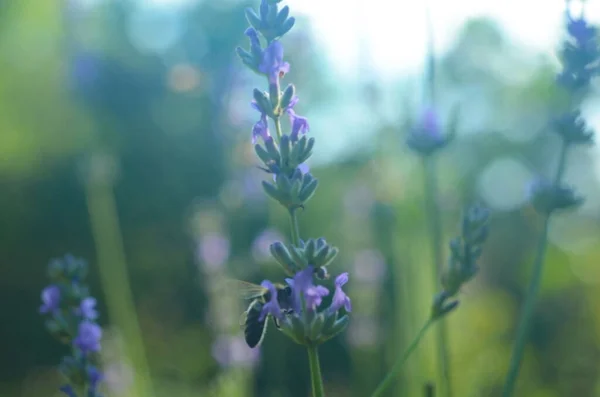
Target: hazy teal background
{"points": [[125, 139]]}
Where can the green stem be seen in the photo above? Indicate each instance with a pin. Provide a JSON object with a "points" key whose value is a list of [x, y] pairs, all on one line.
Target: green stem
{"points": [[295, 228], [394, 372], [435, 228], [278, 129], [315, 372], [532, 292]]}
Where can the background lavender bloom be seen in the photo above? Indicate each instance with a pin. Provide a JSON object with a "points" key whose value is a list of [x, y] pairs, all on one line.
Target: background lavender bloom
{"points": [[88, 337], [262, 242], [213, 250], [232, 351], [50, 299], [369, 266], [87, 309]]}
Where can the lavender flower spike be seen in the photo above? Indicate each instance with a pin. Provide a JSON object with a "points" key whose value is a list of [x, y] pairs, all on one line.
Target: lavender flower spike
{"points": [[340, 299]]}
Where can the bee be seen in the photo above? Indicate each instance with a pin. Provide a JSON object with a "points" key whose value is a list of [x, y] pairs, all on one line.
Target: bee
{"points": [[254, 329]]}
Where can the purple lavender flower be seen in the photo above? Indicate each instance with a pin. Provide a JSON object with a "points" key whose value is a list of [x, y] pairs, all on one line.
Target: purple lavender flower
{"points": [[88, 338], [303, 288], [272, 306], [340, 299], [68, 390], [313, 296], [94, 377], [430, 124], [262, 243], [299, 125], [87, 309], [304, 168], [272, 63], [261, 127], [580, 30], [50, 300], [213, 250]]}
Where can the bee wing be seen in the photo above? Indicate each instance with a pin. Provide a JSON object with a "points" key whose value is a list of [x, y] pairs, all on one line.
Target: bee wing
{"points": [[246, 290]]}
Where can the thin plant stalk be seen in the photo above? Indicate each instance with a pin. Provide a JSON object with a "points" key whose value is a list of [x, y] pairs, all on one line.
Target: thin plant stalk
{"points": [[115, 280], [315, 372], [395, 371], [435, 228], [532, 292]]}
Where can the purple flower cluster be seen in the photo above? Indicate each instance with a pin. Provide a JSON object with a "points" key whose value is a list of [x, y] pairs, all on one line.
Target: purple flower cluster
{"points": [[70, 316], [306, 299]]}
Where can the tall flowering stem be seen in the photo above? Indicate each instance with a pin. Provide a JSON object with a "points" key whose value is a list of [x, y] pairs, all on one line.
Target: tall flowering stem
{"points": [[426, 140], [295, 306], [390, 378], [580, 60], [465, 251]]}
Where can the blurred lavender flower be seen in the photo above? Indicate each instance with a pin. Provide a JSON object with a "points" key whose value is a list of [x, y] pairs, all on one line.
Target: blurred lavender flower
{"points": [[369, 266], [87, 309], [72, 322], [88, 338], [213, 250], [260, 245], [232, 351], [50, 300], [426, 136], [364, 332], [547, 197], [340, 299]]}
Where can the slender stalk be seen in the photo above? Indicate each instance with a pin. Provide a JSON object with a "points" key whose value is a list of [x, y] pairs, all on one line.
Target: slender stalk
{"points": [[532, 292], [295, 228], [394, 372], [315, 372], [435, 228], [115, 278], [278, 129]]}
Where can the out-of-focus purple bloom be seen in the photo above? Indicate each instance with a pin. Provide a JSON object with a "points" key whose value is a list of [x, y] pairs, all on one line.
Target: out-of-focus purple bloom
{"points": [[340, 299], [214, 250], [272, 306], [94, 377], [261, 244], [87, 309], [68, 390], [430, 123], [85, 71], [580, 30], [304, 168], [363, 332], [272, 63], [50, 299], [88, 338], [369, 266], [230, 351]]}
